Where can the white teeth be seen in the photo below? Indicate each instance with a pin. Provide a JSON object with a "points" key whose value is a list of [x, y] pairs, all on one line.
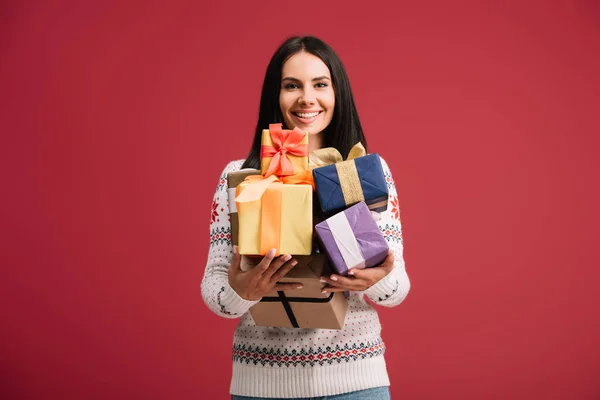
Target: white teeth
{"points": [[307, 115]]}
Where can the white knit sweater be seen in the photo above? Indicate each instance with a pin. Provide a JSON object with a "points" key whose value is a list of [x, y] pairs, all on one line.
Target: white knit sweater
{"points": [[288, 362]]}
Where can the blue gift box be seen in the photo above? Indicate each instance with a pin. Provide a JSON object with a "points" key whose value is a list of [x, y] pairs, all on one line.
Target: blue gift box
{"points": [[346, 183]]}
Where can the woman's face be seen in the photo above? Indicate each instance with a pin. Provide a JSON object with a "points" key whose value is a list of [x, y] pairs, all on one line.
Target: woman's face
{"points": [[306, 96]]}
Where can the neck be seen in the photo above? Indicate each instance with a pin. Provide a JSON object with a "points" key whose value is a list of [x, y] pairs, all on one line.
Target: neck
{"points": [[315, 142]]}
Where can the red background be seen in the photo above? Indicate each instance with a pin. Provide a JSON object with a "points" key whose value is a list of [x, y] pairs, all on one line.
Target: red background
{"points": [[117, 119]]}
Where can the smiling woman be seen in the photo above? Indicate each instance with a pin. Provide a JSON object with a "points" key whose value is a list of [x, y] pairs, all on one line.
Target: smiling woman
{"points": [[305, 87]]}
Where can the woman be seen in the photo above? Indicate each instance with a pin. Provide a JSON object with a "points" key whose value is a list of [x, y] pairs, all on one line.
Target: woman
{"points": [[305, 86]]}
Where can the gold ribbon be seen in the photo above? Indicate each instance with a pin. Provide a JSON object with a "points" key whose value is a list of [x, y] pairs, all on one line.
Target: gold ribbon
{"points": [[331, 155], [349, 182]]}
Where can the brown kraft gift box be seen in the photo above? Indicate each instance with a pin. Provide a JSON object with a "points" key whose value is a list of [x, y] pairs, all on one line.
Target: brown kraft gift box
{"points": [[233, 180], [300, 308]]}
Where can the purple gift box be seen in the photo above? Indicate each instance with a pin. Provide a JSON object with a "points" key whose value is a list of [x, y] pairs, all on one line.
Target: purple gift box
{"points": [[352, 239]]}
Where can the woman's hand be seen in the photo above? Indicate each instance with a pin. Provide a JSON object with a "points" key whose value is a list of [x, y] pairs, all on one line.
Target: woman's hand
{"points": [[359, 279], [257, 282]]}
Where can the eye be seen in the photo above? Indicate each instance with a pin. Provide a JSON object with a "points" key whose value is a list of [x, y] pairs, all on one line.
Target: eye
{"points": [[291, 86], [321, 85]]}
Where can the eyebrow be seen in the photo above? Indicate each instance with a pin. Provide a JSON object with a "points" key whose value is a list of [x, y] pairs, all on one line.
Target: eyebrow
{"points": [[318, 78]]}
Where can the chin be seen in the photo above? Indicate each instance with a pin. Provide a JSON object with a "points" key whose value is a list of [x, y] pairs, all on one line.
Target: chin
{"points": [[312, 132]]}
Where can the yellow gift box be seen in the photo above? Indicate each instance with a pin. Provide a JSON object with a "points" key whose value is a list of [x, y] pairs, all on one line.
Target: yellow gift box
{"points": [[272, 214], [283, 152]]}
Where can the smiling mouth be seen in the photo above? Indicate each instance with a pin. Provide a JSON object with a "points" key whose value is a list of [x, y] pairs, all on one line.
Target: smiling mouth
{"points": [[309, 115]]}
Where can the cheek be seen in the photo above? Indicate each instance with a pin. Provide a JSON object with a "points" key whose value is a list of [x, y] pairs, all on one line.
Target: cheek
{"points": [[285, 102], [331, 100]]}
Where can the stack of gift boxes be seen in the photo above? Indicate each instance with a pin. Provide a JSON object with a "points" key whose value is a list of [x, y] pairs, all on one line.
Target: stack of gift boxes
{"points": [[273, 208]]}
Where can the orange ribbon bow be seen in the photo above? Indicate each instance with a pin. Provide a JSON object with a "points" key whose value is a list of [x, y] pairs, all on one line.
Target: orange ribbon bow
{"points": [[284, 142]]}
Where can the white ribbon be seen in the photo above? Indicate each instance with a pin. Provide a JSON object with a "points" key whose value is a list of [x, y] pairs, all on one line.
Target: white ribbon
{"points": [[346, 241], [231, 198]]}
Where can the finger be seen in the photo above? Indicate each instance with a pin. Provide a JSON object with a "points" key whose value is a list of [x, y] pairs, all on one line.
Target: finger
{"points": [[367, 277], [337, 289], [264, 264], [366, 273], [341, 282], [235, 266], [355, 272], [276, 265], [288, 286], [387, 265], [285, 268]]}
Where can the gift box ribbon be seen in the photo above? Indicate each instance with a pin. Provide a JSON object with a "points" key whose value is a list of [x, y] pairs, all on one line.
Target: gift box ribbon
{"points": [[285, 301], [285, 142], [346, 241], [256, 189], [258, 184], [346, 170], [331, 155]]}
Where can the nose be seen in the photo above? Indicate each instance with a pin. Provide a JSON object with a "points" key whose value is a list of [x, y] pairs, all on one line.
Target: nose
{"points": [[308, 97]]}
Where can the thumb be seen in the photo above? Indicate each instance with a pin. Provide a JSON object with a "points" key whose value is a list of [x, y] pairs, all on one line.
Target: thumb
{"points": [[236, 266], [388, 263], [356, 272]]}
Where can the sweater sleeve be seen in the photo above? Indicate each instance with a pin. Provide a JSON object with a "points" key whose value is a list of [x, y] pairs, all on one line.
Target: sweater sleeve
{"points": [[393, 289], [217, 294]]}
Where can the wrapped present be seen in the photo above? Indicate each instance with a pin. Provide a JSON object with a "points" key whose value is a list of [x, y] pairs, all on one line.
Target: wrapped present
{"points": [[233, 180], [352, 239], [283, 152], [273, 214], [300, 308], [344, 183]]}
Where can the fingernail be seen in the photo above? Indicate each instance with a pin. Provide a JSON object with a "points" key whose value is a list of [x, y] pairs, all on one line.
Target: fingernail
{"points": [[323, 280], [235, 249], [334, 278], [350, 272], [294, 263], [272, 252], [323, 291], [287, 257], [299, 287]]}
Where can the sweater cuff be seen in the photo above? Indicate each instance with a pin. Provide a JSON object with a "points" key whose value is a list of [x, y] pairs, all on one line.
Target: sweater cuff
{"points": [[231, 303], [383, 289]]}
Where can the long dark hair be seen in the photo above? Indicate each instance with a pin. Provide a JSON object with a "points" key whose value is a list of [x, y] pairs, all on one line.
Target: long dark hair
{"points": [[345, 129]]}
